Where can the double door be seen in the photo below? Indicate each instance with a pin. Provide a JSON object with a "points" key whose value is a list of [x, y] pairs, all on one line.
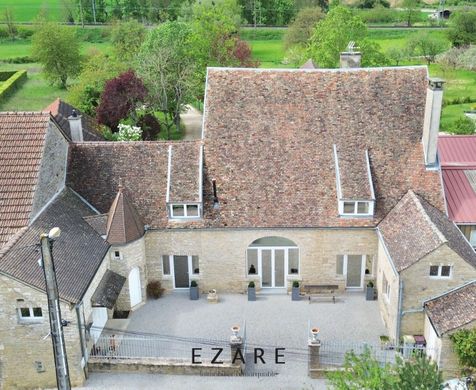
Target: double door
{"points": [[273, 267]]}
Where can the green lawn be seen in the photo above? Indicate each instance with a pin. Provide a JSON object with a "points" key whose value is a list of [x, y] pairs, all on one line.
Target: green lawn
{"points": [[270, 53], [28, 10]]}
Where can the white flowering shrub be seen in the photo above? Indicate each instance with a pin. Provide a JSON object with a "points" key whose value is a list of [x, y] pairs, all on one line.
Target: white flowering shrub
{"points": [[129, 133]]}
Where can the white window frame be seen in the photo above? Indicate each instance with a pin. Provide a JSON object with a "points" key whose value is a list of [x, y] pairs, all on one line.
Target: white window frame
{"points": [[471, 234], [344, 269], [32, 317], [440, 269], [370, 204], [185, 211], [113, 254], [191, 274], [259, 250], [170, 260]]}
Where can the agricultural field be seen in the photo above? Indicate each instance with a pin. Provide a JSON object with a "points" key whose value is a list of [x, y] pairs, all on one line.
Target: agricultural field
{"points": [[28, 10]]}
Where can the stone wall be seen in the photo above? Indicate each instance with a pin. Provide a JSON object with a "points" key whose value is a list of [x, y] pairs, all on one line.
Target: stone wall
{"points": [[388, 305], [132, 255], [23, 344], [418, 287], [222, 253], [52, 174]]}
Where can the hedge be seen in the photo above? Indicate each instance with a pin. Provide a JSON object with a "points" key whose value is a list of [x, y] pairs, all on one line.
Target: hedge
{"points": [[11, 83]]}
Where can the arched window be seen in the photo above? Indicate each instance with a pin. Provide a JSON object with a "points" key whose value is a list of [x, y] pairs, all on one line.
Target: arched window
{"points": [[272, 259]]}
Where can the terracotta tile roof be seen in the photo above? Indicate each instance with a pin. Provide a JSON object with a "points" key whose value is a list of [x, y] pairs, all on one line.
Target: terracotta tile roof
{"points": [[123, 222], [22, 139], [414, 228], [453, 310], [62, 110], [353, 173], [269, 137], [185, 172], [77, 253]]}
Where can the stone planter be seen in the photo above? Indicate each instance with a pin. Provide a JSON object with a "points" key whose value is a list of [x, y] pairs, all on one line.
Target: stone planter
{"points": [[314, 333], [251, 294], [212, 296], [370, 294], [295, 294], [194, 294]]}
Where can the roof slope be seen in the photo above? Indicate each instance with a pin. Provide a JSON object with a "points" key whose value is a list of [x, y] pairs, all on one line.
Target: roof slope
{"points": [[457, 150], [185, 172], [74, 269], [123, 223], [269, 138], [414, 228], [453, 310], [62, 110], [22, 141]]}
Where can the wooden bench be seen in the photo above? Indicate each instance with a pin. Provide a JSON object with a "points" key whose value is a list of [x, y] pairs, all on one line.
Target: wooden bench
{"points": [[321, 291]]}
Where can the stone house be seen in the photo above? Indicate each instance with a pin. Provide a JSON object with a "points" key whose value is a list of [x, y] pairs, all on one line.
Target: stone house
{"points": [[307, 175]]}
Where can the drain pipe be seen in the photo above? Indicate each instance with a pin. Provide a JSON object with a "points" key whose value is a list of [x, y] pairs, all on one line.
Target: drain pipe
{"points": [[81, 340], [399, 310]]}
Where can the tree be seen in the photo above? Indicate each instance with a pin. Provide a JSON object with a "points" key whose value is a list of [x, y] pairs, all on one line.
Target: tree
{"points": [[57, 48], [119, 99], [463, 125], [86, 92], [300, 30], [464, 340], [8, 19], [127, 38], [168, 68], [410, 11], [332, 35], [426, 45], [419, 372], [462, 29], [242, 54], [396, 55]]}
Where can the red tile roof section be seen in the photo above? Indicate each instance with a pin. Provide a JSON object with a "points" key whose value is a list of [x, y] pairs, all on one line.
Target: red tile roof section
{"points": [[22, 139]]}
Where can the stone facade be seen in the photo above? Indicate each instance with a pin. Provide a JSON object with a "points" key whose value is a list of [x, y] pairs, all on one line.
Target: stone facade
{"points": [[132, 255], [418, 286], [222, 253], [52, 174]]}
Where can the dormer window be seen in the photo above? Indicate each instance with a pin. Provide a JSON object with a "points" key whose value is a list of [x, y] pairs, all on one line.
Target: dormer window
{"points": [[184, 211], [355, 191]]}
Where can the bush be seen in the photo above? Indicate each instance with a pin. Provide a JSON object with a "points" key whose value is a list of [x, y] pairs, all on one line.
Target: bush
{"points": [[464, 343], [154, 289], [19, 60], [380, 15], [261, 34], [462, 30], [12, 83], [463, 125], [295, 284], [251, 284]]}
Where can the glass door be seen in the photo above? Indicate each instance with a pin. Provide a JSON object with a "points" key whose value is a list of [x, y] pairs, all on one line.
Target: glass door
{"points": [[354, 271], [266, 268], [279, 274]]}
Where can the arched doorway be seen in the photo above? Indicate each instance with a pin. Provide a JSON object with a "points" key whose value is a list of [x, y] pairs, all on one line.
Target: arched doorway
{"points": [[135, 289], [273, 259]]}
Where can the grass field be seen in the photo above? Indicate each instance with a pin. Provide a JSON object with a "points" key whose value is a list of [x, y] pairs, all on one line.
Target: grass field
{"points": [[28, 10]]}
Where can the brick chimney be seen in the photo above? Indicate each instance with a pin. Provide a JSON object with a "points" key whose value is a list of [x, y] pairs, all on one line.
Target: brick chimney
{"points": [[431, 124], [350, 58], [76, 127]]}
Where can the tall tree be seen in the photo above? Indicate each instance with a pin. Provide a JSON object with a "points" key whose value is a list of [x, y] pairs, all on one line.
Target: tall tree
{"points": [[410, 11], [168, 69], [462, 30], [57, 49], [426, 45], [333, 34], [300, 30], [127, 38], [120, 98]]}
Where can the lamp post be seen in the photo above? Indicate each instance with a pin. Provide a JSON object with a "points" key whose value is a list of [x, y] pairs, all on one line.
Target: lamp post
{"points": [[57, 337]]}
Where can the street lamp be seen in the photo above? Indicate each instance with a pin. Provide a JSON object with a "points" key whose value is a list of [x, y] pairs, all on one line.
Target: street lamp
{"points": [[57, 336]]}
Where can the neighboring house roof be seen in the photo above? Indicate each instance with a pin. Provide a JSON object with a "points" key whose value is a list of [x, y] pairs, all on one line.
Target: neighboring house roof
{"points": [[414, 228], [62, 110], [77, 253], [123, 222], [309, 64], [269, 139], [98, 223], [453, 309], [457, 156], [22, 142], [108, 290]]}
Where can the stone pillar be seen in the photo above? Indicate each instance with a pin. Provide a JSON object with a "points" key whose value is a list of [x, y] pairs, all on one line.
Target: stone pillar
{"points": [[314, 346], [236, 351]]}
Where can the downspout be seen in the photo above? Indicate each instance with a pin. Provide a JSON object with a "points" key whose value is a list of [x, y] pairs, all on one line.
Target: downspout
{"points": [[399, 310], [81, 340]]}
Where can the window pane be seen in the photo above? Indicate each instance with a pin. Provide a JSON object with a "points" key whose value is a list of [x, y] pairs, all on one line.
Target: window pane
{"points": [[472, 237], [252, 266], [25, 312], [434, 270], [272, 241], [349, 207], [195, 266], [362, 207], [178, 210], [37, 312], [340, 265], [117, 254], [293, 261], [192, 210], [165, 265], [369, 264], [445, 270]]}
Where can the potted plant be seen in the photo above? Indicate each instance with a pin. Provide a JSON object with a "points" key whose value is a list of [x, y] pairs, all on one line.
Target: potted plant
{"points": [[370, 293], [251, 291], [295, 292], [194, 290]]}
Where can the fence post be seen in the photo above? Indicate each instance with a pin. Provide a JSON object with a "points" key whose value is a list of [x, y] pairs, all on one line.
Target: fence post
{"points": [[314, 346], [236, 350]]}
